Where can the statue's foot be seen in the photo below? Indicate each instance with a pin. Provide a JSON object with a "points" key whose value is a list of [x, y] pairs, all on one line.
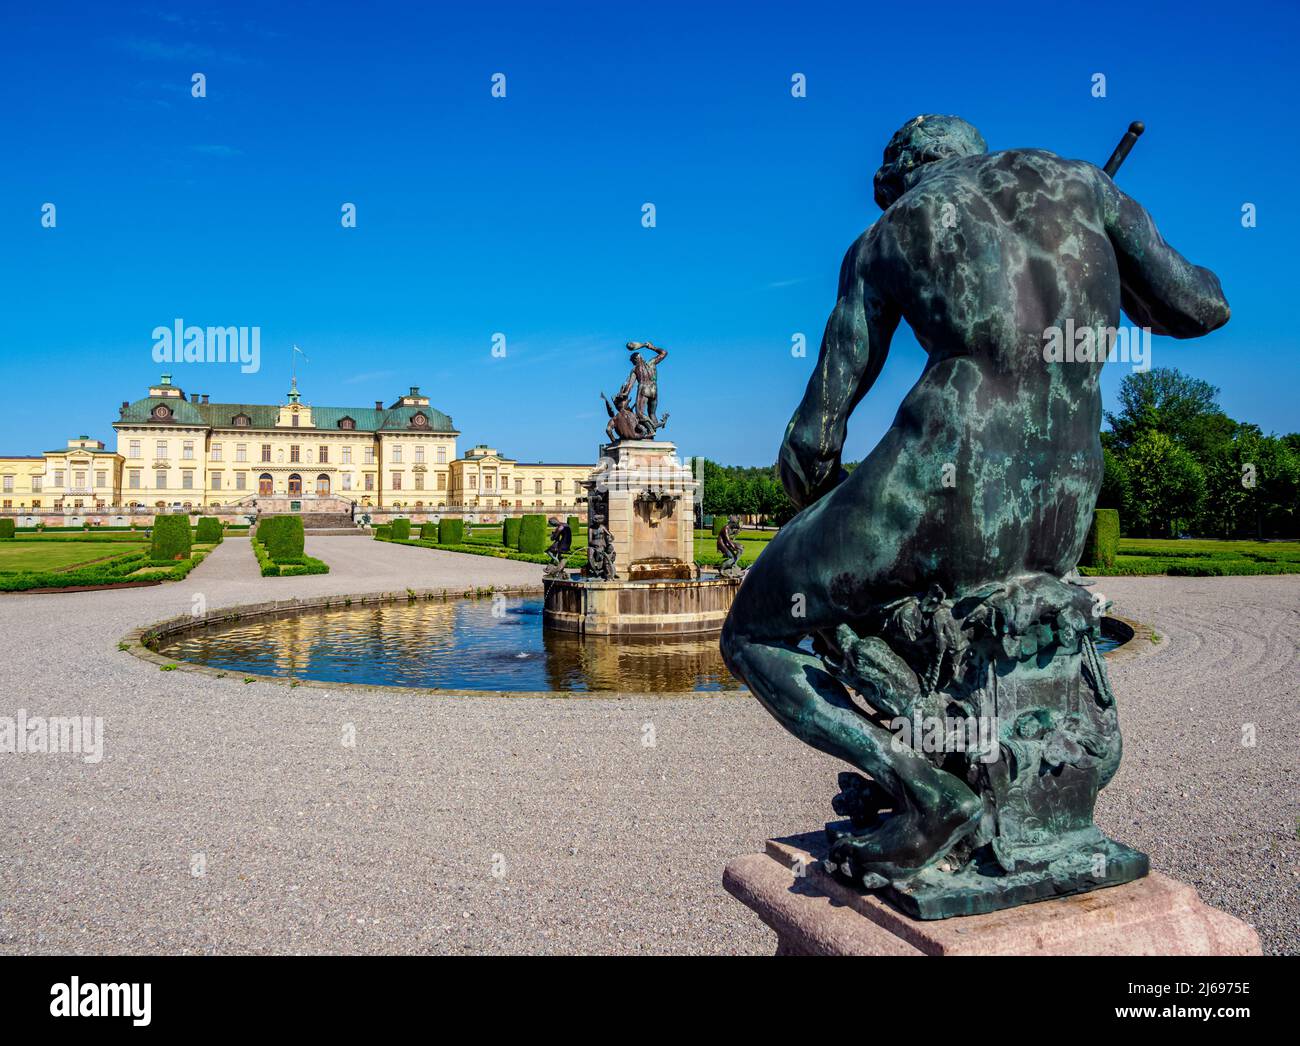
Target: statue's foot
{"points": [[907, 842]]}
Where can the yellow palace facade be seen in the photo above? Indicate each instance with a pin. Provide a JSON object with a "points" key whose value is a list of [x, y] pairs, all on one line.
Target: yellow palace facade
{"points": [[184, 452]]}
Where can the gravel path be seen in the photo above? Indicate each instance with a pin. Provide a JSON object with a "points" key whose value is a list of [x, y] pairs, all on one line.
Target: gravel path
{"points": [[604, 844]]}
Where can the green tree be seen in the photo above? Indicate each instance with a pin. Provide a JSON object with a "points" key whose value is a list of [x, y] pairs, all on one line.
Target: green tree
{"points": [[1167, 486], [1164, 400]]}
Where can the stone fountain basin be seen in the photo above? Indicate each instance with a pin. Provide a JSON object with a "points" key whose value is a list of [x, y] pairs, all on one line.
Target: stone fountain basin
{"points": [[638, 608]]}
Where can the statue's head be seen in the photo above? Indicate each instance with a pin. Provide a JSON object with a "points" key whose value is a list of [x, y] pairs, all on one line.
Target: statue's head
{"points": [[923, 140], [553, 522], [620, 400]]}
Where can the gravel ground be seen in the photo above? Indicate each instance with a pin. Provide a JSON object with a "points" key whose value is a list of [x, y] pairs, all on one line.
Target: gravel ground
{"points": [[603, 844]]}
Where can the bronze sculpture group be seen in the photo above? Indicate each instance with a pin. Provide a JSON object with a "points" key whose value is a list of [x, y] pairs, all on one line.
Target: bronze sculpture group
{"points": [[641, 421], [730, 549], [932, 591]]}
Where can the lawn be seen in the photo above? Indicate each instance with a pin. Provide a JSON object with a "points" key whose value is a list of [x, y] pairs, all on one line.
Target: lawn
{"points": [[1202, 557], [24, 555]]}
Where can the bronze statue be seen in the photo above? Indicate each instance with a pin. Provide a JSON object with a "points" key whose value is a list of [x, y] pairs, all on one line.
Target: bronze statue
{"points": [[731, 550], [623, 424], [558, 551], [600, 550], [645, 374], [936, 581]]}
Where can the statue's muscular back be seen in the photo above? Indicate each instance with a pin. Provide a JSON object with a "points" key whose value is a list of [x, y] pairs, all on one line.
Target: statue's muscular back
{"points": [[981, 258], [993, 463]]}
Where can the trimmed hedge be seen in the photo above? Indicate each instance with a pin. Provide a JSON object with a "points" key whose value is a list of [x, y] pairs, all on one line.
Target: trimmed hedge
{"points": [[291, 566], [171, 539], [400, 529], [450, 532], [428, 531], [576, 558], [383, 532], [718, 523], [208, 530], [510, 531], [282, 535], [574, 523], [533, 534], [1102, 543], [6, 529]]}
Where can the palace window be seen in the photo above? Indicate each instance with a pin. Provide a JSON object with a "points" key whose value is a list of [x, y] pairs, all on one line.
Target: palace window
{"points": [[442, 455], [419, 455], [577, 486], [487, 482], [187, 480], [370, 454], [36, 486], [347, 481], [419, 481], [101, 479], [241, 480], [473, 481], [160, 480], [347, 423], [160, 449], [187, 450], [58, 477], [347, 456], [79, 479], [519, 488], [559, 486], [442, 481], [241, 421], [9, 484], [241, 451], [134, 452], [397, 453], [294, 421], [266, 452], [397, 481], [537, 487], [216, 481], [323, 456], [294, 454], [370, 481], [216, 452]]}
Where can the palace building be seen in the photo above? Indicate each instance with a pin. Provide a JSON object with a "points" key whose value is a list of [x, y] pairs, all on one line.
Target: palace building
{"points": [[183, 452]]}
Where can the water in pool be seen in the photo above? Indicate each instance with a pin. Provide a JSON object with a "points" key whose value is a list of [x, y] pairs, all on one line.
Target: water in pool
{"points": [[470, 644], [461, 644]]}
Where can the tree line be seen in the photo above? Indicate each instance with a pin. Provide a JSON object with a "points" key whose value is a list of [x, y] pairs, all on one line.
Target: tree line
{"points": [[1174, 464]]}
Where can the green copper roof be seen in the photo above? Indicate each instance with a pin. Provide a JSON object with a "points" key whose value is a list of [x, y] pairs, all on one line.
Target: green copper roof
{"points": [[266, 415]]}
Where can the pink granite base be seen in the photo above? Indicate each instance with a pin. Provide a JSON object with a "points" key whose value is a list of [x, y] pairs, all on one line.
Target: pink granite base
{"points": [[814, 914]]}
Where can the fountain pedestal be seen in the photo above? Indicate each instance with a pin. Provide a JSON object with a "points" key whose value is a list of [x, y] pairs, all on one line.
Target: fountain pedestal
{"points": [[646, 497]]}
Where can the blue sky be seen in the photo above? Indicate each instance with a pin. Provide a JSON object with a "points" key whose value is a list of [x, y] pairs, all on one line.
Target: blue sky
{"points": [[522, 215]]}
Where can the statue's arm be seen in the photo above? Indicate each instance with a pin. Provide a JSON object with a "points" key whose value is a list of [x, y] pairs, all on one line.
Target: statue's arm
{"points": [[1159, 288], [854, 347], [660, 355]]}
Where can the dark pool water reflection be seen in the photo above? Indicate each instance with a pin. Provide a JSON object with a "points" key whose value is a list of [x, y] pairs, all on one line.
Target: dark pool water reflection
{"points": [[461, 644]]}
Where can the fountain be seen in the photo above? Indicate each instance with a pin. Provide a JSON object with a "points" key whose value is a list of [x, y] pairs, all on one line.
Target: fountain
{"points": [[640, 577]]}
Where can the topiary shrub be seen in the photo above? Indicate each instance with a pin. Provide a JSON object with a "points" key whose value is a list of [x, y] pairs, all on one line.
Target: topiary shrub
{"points": [[451, 532], [718, 523], [400, 530], [6, 529], [1101, 545], [208, 530], [510, 532], [533, 535], [428, 531], [286, 538], [573, 525], [384, 531], [171, 539]]}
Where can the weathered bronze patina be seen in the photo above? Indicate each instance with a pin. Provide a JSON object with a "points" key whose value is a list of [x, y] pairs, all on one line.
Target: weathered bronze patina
{"points": [[920, 618]]}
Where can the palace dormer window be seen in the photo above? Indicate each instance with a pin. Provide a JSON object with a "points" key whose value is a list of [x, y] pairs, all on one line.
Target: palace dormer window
{"points": [[419, 421], [162, 412], [347, 423], [241, 421]]}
